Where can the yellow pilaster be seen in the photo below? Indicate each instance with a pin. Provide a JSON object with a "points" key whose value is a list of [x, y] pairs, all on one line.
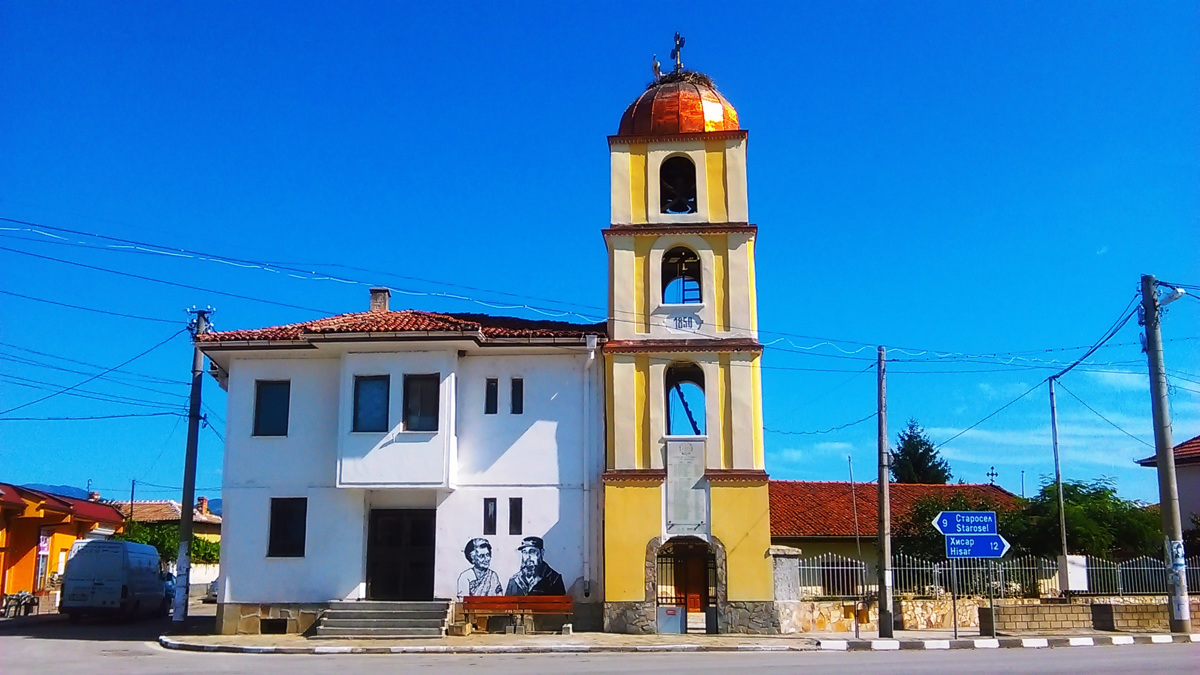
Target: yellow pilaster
{"points": [[637, 181], [719, 244], [714, 163], [724, 391], [641, 281], [631, 520], [756, 384]]}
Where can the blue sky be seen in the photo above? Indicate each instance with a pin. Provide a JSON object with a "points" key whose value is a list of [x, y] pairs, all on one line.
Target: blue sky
{"points": [[946, 178]]}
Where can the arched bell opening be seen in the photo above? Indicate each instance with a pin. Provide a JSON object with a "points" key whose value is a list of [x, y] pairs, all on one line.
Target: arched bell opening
{"points": [[686, 407], [681, 277], [677, 186]]}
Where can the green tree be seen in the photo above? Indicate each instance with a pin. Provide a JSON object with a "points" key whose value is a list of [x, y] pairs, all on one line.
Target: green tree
{"points": [[1099, 522], [165, 538], [915, 460]]}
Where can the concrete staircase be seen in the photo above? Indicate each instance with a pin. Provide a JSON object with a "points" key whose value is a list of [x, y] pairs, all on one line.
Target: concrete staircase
{"points": [[366, 619]]}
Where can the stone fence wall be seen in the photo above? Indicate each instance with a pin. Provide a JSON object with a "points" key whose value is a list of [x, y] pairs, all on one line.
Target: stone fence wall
{"points": [[1033, 618]]}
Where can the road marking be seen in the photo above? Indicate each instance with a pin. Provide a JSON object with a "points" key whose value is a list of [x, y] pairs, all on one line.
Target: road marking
{"points": [[1081, 642], [884, 645], [839, 645], [987, 644], [1122, 639], [937, 644], [1035, 643], [1160, 639]]}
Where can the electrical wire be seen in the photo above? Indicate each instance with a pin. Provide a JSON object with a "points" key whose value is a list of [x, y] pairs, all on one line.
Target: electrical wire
{"points": [[90, 417], [151, 378], [85, 393], [1097, 413], [823, 431], [993, 413], [89, 309], [94, 377]]}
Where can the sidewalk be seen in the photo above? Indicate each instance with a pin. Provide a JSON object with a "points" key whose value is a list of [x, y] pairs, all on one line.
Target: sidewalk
{"points": [[609, 642]]}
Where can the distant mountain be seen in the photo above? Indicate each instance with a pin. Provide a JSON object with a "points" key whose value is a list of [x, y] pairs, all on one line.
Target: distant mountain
{"points": [[63, 490]]}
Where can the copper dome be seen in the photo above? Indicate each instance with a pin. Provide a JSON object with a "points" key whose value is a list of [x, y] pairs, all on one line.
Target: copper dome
{"points": [[678, 103]]}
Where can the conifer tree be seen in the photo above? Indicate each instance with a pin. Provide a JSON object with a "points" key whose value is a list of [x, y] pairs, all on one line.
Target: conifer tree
{"points": [[915, 460]]}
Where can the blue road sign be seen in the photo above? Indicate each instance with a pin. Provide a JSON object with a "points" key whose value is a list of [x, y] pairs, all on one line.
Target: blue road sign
{"points": [[966, 522], [976, 546]]}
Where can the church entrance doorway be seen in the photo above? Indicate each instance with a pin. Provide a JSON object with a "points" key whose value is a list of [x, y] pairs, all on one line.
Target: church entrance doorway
{"points": [[687, 580]]}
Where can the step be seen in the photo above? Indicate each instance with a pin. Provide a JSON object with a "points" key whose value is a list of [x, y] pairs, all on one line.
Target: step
{"points": [[391, 605], [376, 633], [384, 614], [336, 622]]}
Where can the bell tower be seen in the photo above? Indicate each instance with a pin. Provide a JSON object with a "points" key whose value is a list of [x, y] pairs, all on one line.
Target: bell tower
{"points": [[685, 473]]}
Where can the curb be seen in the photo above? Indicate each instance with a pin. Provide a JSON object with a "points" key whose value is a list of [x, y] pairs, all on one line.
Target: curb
{"points": [[1005, 643], [171, 643]]}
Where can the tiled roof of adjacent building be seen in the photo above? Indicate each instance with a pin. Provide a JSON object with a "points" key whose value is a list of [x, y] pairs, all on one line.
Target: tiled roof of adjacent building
{"points": [[826, 509], [81, 508], [413, 321], [1187, 452], [164, 511]]}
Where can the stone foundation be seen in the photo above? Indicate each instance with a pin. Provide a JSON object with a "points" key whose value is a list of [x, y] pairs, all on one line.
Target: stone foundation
{"points": [[1130, 617], [924, 614], [634, 618], [1034, 618], [748, 616], [246, 618]]}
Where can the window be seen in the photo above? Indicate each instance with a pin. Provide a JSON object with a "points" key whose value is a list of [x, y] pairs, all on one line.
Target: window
{"points": [[371, 403], [489, 515], [490, 396], [681, 277], [518, 396], [514, 515], [288, 516], [685, 399], [677, 185], [271, 407], [421, 402]]}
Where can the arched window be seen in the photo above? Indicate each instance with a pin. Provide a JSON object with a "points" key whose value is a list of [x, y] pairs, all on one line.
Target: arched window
{"points": [[677, 185], [685, 400], [681, 277]]}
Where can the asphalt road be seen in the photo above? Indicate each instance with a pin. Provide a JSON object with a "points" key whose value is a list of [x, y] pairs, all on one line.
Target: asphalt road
{"points": [[131, 649]]}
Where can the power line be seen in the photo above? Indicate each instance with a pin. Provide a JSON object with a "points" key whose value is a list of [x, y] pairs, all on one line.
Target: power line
{"points": [[89, 309], [823, 431], [94, 377], [86, 393], [1097, 413], [168, 283], [90, 417], [993, 413], [151, 378]]}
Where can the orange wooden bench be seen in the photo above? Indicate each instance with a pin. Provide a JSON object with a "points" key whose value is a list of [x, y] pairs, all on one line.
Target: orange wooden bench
{"points": [[476, 607]]}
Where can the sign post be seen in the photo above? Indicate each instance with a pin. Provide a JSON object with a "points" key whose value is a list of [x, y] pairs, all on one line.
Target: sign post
{"points": [[970, 534]]}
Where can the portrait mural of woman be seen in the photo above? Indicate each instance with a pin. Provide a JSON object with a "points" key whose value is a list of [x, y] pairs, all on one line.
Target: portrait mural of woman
{"points": [[479, 579]]}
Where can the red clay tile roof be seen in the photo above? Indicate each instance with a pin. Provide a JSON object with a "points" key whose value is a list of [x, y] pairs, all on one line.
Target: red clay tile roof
{"points": [[9, 496], [1187, 452], [414, 321], [161, 511], [824, 509], [80, 508]]}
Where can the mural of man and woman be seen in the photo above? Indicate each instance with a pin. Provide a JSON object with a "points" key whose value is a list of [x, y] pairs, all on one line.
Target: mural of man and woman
{"points": [[534, 578]]}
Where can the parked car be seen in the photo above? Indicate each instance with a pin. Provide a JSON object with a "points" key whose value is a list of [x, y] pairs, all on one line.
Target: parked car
{"points": [[210, 592], [112, 578]]}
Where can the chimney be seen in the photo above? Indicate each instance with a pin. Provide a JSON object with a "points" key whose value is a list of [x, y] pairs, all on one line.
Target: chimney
{"points": [[379, 299], [93, 496], [202, 505]]}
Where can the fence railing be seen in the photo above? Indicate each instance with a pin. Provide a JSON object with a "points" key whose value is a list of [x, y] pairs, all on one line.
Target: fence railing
{"points": [[835, 576]]}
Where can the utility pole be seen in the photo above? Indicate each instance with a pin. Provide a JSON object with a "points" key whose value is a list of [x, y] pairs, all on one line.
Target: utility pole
{"points": [[1168, 491], [132, 485], [885, 507], [199, 327], [1062, 516]]}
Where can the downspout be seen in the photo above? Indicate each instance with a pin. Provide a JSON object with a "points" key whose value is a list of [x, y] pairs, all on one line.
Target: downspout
{"points": [[587, 466]]}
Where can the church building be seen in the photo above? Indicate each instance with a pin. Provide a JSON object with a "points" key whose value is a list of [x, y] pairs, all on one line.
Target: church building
{"points": [[385, 456]]}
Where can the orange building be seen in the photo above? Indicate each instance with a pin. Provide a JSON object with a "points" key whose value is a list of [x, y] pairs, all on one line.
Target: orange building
{"points": [[37, 530]]}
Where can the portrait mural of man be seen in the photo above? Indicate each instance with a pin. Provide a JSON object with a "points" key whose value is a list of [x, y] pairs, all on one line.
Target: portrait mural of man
{"points": [[479, 579], [535, 577]]}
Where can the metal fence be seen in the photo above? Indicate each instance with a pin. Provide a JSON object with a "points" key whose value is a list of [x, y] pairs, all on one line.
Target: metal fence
{"points": [[834, 576]]}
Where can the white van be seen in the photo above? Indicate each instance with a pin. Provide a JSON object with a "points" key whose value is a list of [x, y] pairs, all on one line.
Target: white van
{"points": [[113, 578]]}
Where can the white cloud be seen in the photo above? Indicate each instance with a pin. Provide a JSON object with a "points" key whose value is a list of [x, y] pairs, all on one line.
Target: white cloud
{"points": [[1102, 250], [1122, 381]]}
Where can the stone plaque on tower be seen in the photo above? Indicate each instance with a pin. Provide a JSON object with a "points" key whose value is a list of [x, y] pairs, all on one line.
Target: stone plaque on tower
{"points": [[687, 494]]}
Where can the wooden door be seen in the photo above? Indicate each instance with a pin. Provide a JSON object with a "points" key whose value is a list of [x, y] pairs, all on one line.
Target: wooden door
{"points": [[400, 554], [696, 582]]}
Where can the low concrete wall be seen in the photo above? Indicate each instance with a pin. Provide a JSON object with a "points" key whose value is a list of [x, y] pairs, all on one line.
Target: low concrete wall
{"points": [[1033, 618], [1134, 618]]}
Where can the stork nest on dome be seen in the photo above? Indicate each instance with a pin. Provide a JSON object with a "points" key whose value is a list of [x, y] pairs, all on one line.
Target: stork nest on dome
{"points": [[689, 76]]}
